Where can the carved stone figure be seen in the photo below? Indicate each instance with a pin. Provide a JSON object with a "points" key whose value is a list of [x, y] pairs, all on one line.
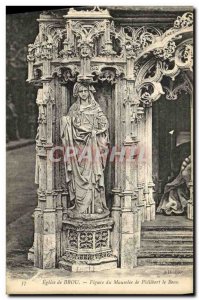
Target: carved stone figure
{"points": [[85, 132], [176, 193]]}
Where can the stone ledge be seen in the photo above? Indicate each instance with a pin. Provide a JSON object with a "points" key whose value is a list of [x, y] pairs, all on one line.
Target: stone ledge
{"points": [[19, 144], [101, 265]]}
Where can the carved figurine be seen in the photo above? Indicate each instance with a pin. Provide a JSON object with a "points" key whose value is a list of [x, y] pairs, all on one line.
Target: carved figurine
{"points": [[84, 132]]}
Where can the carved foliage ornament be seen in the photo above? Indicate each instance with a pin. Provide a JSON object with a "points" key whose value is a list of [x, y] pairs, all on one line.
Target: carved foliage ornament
{"points": [[150, 92], [172, 93], [185, 21], [167, 52], [171, 60], [85, 258], [86, 240], [101, 239], [46, 43], [72, 239], [66, 74], [107, 74], [40, 50], [184, 56], [136, 40]]}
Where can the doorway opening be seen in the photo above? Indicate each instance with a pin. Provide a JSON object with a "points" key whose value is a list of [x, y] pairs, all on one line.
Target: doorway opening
{"points": [[171, 135]]}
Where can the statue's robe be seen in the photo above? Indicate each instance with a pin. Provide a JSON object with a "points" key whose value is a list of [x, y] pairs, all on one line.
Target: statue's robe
{"points": [[176, 193], [84, 133]]}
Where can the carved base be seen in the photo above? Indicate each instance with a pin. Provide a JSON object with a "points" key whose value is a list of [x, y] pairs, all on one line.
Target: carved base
{"points": [[88, 217], [92, 266], [87, 246]]}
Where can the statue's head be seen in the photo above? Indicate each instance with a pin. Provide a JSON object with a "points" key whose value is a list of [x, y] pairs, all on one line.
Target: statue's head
{"points": [[83, 91]]}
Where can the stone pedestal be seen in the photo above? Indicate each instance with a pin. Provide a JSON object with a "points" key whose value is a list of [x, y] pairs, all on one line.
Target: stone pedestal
{"points": [[87, 245]]}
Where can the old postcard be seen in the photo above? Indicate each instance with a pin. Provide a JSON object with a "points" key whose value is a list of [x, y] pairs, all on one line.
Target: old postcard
{"points": [[99, 116]]}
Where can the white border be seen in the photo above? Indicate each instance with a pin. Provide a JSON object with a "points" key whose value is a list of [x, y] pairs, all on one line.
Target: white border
{"points": [[3, 87]]}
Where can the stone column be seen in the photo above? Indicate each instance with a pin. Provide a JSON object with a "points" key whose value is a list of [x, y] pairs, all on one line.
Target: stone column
{"points": [[141, 162], [30, 69], [49, 213], [150, 206], [45, 213], [35, 253], [108, 42], [190, 204], [130, 217], [116, 206]]}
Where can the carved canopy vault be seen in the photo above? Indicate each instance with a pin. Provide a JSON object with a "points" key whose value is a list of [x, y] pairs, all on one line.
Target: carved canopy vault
{"points": [[86, 46]]}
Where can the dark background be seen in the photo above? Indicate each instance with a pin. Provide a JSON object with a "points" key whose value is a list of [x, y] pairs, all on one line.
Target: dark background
{"points": [[21, 29]]}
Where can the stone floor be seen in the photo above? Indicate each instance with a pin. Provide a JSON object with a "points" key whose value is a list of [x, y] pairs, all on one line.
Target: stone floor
{"points": [[21, 201]]}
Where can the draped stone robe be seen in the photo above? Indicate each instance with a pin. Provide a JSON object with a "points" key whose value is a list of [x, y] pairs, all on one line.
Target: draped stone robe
{"points": [[84, 133], [176, 193]]}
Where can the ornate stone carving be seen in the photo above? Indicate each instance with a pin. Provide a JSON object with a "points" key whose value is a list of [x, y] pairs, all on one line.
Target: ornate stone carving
{"points": [[107, 73], [66, 74], [172, 93], [185, 21], [167, 52], [68, 53], [149, 92], [40, 49], [86, 240], [101, 239], [73, 239], [93, 247], [85, 37], [184, 56], [85, 258], [96, 12], [106, 52], [140, 114], [30, 56], [136, 40]]}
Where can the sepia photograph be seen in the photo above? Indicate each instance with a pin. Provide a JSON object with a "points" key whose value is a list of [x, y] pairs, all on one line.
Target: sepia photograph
{"points": [[99, 150]]}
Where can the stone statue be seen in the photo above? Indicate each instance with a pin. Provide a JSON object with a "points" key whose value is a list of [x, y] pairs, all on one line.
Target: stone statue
{"points": [[176, 193], [84, 132]]}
